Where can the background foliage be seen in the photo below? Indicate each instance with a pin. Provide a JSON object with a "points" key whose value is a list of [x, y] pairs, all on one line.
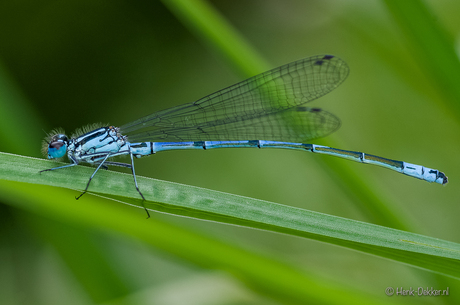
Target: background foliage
{"points": [[67, 64]]}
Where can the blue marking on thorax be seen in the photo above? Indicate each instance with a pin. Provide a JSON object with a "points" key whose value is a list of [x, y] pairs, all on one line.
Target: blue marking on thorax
{"points": [[91, 146], [82, 140]]}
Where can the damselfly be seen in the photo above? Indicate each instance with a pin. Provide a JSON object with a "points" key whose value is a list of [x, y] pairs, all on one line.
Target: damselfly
{"points": [[265, 111]]}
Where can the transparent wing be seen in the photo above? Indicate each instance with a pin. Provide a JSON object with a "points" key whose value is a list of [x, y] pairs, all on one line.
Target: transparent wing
{"points": [[267, 106]]}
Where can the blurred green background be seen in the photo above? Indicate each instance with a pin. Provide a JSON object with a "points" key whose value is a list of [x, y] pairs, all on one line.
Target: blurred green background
{"points": [[71, 63]]}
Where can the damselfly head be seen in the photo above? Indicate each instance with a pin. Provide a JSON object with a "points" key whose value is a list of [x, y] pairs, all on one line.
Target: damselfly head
{"points": [[55, 144]]}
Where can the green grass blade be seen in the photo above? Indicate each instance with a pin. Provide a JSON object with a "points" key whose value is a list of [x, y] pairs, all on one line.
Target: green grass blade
{"points": [[268, 276], [412, 249]]}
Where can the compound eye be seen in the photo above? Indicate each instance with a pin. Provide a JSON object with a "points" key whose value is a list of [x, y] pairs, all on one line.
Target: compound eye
{"points": [[59, 137], [57, 147]]}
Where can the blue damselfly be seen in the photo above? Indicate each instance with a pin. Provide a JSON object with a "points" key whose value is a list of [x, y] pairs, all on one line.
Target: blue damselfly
{"points": [[265, 111]]}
